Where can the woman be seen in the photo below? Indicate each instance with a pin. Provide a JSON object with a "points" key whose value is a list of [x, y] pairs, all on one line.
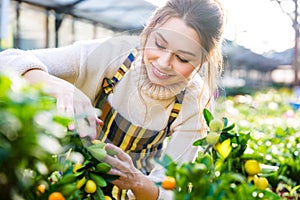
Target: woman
{"points": [[151, 90]]}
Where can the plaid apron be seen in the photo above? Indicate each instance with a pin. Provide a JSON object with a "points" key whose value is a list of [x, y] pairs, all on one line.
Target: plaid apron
{"points": [[143, 145]]}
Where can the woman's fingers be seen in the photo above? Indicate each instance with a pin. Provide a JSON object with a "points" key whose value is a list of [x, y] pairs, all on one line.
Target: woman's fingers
{"points": [[120, 161], [117, 172], [118, 167], [86, 121], [64, 106], [122, 166], [84, 114], [99, 121], [121, 155]]}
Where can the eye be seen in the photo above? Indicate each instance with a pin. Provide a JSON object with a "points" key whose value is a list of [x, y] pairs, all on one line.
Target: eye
{"points": [[159, 45], [181, 59]]}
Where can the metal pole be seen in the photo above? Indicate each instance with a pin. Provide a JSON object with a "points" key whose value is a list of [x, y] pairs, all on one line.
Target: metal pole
{"points": [[17, 32], [58, 21], [95, 32], [296, 27], [47, 29], [73, 30]]}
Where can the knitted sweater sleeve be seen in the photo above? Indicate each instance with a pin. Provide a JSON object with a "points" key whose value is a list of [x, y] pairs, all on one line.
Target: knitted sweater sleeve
{"points": [[60, 62], [83, 63], [67, 63]]}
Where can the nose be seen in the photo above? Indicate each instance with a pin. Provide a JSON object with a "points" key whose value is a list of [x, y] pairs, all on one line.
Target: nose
{"points": [[164, 59]]}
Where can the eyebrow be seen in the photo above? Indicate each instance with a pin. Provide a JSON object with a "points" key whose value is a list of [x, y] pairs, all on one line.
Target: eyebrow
{"points": [[182, 51]]}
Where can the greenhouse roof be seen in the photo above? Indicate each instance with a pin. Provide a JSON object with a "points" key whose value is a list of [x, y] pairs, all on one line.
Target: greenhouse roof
{"points": [[117, 15]]}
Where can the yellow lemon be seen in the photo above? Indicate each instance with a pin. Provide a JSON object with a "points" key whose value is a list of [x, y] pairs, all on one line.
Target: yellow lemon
{"points": [[252, 167], [224, 148], [261, 183], [107, 197], [90, 186], [80, 183], [76, 167]]}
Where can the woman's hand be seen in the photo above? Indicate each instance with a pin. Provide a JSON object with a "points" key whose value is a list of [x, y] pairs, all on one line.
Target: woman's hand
{"points": [[70, 101], [129, 176], [122, 166], [75, 104]]}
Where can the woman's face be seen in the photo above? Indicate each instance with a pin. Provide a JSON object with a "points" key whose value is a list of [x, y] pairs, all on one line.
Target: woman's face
{"points": [[172, 52]]}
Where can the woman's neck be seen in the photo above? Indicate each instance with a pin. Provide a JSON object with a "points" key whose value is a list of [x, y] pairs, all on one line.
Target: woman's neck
{"points": [[153, 90]]}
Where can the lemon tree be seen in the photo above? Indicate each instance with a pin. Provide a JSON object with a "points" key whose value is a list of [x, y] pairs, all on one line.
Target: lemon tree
{"points": [[38, 149], [274, 126], [223, 169], [21, 151], [257, 157]]}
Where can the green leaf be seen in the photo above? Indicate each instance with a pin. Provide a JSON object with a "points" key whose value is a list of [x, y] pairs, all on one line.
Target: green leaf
{"points": [[68, 189], [226, 135], [207, 160], [294, 189], [99, 180], [228, 128], [97, 151], [225, 121], [271, 195], [62, 120], [252, 156], [68, 178], [109, 177], [99, 194], [234, 177], [167, 160], [207, 116], [103, 167], [199, 142], [111, 152]]}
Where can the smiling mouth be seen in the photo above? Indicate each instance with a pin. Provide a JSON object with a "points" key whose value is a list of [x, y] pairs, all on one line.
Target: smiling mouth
{"points": [[159, 74]]}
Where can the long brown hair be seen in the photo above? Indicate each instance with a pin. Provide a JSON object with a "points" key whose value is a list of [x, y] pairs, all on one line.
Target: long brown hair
{"points": [[207, 18]]}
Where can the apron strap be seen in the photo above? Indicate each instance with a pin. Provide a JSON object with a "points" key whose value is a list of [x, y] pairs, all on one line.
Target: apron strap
{"points": [[109, 84]]}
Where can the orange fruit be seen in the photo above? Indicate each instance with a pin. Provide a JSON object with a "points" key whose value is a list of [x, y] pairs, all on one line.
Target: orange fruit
{"points": [[169, 183], [56, 196]]}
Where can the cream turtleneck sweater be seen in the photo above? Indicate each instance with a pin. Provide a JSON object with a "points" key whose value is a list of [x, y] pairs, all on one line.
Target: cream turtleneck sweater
{"points": [[145, 104]]}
